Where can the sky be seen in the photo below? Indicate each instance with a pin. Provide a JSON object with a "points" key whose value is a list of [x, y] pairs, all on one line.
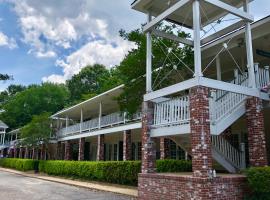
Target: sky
{"points": [[51, 40]]}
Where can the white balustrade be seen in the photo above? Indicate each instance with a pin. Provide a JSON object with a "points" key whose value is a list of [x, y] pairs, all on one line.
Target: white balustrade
{"points": [[261, 76], [113, 119], [228, 151], [172, 112]]}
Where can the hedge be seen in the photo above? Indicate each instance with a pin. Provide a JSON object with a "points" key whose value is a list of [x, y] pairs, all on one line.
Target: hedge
{"points": [[18, 164], [120, 172], [259, 182]]}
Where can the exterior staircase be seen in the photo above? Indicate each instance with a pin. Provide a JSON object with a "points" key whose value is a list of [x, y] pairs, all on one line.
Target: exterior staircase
{"points": [[172, 117]]}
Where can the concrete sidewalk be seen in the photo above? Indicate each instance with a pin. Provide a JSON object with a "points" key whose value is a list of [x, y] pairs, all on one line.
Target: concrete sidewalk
{"points": [[119, 189]]}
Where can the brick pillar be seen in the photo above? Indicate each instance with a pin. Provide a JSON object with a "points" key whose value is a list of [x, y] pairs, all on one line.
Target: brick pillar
{"points": [[81, 148], [21, 152], [15, 152], [127, 145], [67, 150], [26, 153], [43, 152], [100, 147], [256, 135], [59, 150], [34, 154], [164, 148], [200, 131], [148, 145]]}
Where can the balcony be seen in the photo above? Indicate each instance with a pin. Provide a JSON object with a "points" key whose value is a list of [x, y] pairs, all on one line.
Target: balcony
{"points": [[109, 121]]}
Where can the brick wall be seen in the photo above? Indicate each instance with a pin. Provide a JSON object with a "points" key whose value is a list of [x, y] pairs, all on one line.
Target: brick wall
{"points": [[171, 187], [127, 145], [68, 149], [256, 134], [148, 145], [164, 148], [200, 131], [81, 148], [100, 147]]}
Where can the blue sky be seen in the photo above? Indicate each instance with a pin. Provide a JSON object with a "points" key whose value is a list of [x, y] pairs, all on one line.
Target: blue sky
{"points": [[48, 40]]}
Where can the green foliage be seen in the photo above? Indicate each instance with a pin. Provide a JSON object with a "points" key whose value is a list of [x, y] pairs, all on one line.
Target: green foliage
{"points": [[4, 77], [133, 67], [120, 172], [34, 100], [18, 164], [174, 166], [92, 80], [38, 130], [259, 181]]}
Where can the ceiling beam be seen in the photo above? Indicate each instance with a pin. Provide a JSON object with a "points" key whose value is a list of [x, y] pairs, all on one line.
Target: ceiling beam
{"points": [[164, 15], [231, 9]]}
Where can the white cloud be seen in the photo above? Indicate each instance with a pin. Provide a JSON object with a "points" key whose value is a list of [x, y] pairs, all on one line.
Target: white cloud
{"points": [[8, 42], [91, 53]]}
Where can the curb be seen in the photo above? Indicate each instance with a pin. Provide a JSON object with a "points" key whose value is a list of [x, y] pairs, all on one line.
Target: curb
{"points": [[117, 189]]}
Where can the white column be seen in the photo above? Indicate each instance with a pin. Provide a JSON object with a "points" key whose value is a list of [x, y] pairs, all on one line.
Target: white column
{"points": [[197, 39], [81, 120], [100, 114], [4, 138], [249, 48], [218, 66], [267, 74], [148, 58], [66, 123]]}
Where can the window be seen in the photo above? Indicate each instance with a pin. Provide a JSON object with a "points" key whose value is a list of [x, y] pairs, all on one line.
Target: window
{"points": [[139, 151], [115, 152]]}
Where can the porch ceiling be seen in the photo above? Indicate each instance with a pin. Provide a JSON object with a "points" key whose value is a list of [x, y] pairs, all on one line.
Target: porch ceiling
{"points": [[90, 107], [184, 14], [261, 41]]}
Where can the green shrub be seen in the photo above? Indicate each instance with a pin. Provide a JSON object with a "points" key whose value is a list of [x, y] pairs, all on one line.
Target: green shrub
{"points": [[18, 164], [259, 182], [121, 172], [174, 166]]}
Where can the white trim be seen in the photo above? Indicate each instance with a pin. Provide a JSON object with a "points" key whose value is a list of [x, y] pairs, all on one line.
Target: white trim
{"points": [[231, 9], [104, 131], [171, 130], [172, 37], [164, 15], [171, 89], [148, 58]]}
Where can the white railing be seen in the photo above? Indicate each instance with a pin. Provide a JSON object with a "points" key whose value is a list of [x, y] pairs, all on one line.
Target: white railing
{"points": [[233, 155], [225, 104], [172, 112], [113, 119], [261, 76]]}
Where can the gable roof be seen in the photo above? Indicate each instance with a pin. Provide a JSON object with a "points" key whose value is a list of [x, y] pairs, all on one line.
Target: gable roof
{"points": [[3, 125]]}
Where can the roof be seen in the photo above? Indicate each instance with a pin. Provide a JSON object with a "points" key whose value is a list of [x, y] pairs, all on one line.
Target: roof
{"points": [[90, 107], [184, 14], [3, 125]]}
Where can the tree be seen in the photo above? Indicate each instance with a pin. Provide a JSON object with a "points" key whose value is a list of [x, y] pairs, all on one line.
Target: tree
{"points": [[167, 67], [35, 100], [10, 92], [37, 131], [5, 77], [92, 80]]}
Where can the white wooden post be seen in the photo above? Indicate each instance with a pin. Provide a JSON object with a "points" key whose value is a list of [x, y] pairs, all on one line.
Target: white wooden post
{"points": [[148, 58], [257, 74], [66, 124], [218, 66], [100, 115], [235, 72], [197, 39], [267, 74], [249, 48], [81, 122]]}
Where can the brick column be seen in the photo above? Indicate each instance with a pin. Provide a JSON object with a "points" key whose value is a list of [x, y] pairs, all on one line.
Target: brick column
{"points": [[100, 147], [148, 145], [21, 152], [34, 154], [256, 135], [81, 148], [15, 152], [26, 153], [67, 150], [164, 148], [59, 150], [127, 145], [200, 131]]}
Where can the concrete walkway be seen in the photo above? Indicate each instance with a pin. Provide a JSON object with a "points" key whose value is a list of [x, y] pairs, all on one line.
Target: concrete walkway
{"points": [[119, 189]]}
